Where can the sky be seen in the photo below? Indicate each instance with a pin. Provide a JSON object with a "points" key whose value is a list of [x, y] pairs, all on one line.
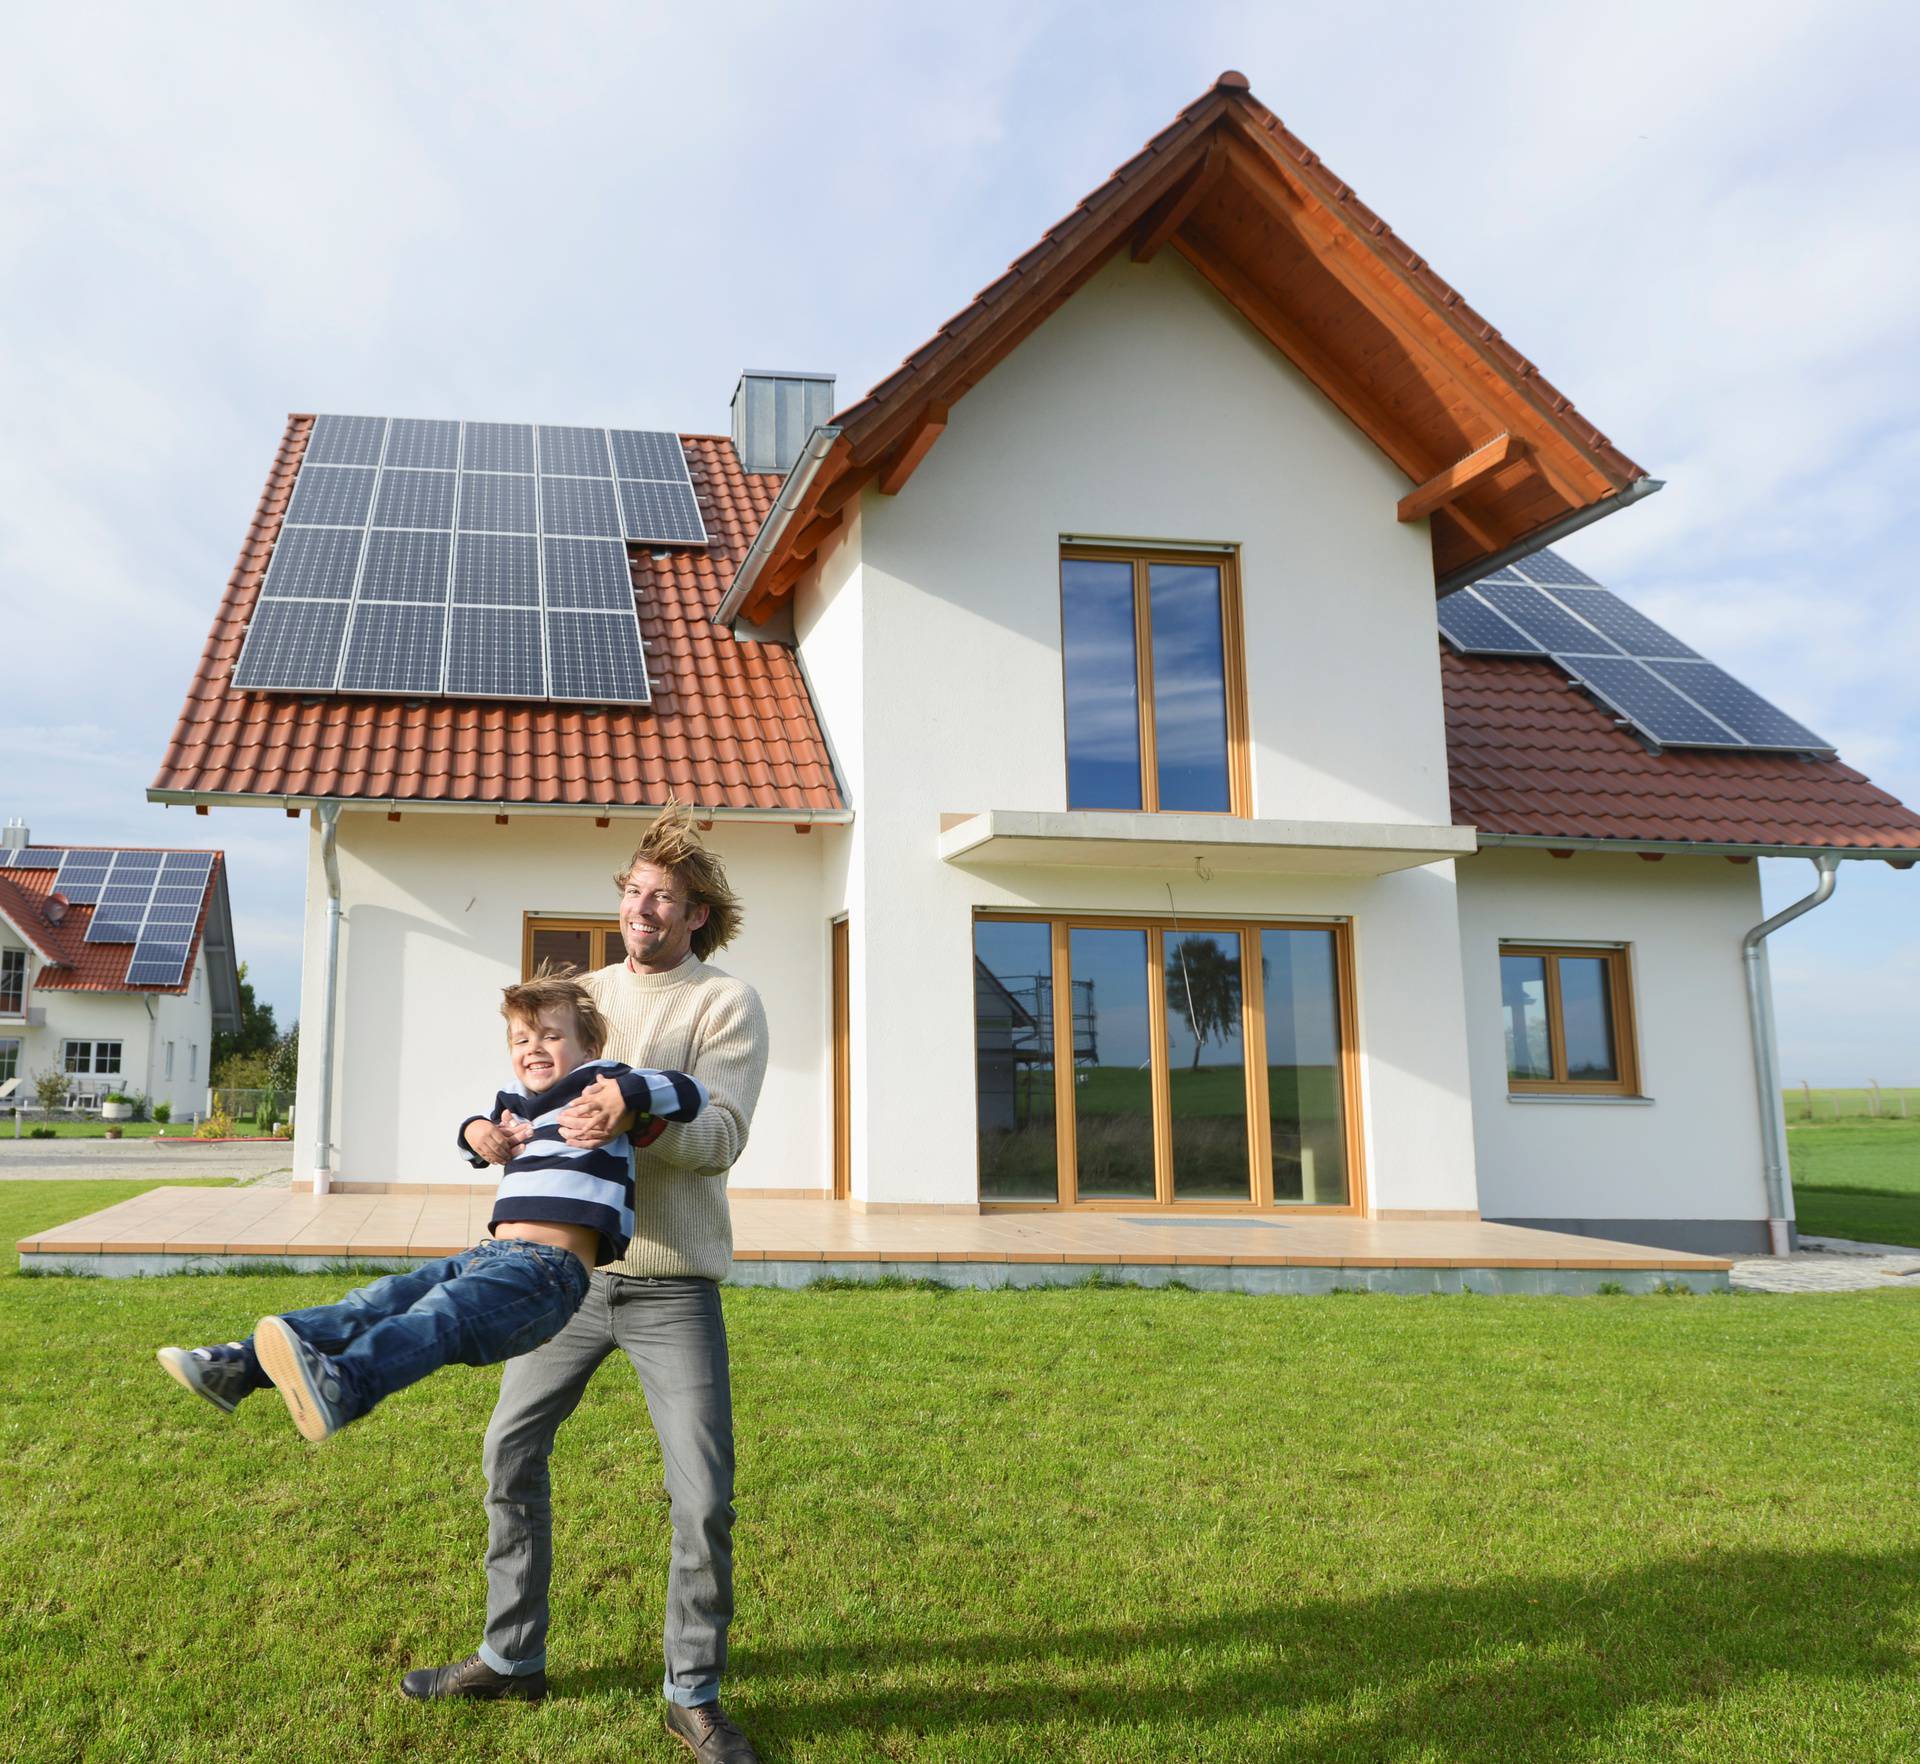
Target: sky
{"points": [[1702, 220]]}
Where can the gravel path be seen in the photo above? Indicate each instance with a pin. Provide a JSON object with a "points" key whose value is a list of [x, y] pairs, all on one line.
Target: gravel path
{"points": [[142, 1160], [1830, 1264]]}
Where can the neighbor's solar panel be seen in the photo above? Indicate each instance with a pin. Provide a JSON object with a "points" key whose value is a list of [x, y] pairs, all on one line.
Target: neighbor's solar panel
{"points": [[150, 899], [1634, 666], [394, 522]]}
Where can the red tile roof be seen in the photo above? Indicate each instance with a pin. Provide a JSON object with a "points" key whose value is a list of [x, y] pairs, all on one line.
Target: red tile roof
{"points": [[74, 964], [1528, 754], [730, 725]]}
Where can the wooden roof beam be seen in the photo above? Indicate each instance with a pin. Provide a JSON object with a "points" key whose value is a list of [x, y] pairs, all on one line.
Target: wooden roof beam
{"points": [[1163, 220], [906, 461], [1460, 477], [820, 527]]}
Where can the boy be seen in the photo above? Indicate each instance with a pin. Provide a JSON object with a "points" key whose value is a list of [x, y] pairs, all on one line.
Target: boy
{"points": [[561, 1210]]}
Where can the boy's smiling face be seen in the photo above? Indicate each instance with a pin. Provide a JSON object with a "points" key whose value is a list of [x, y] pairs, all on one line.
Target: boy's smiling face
{"points": [[544, 1051]]}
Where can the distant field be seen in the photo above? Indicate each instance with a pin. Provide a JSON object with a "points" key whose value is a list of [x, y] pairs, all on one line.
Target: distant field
{"points": [[1858, 1179], [1893, 1103]]}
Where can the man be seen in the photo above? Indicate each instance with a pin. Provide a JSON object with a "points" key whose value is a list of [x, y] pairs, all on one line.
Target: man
{"points": [[660, 1303]]}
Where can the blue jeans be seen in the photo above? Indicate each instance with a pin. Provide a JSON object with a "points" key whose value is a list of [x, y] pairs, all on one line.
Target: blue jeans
{"points": [[501, 1298]]}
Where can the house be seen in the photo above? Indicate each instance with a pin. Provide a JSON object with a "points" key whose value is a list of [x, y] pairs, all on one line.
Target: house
{"points": [[1120, 826], [116, 968]]}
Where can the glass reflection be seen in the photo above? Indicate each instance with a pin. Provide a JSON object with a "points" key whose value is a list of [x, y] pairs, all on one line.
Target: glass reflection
{"points": [[1523, 1004], [1189, 686], [1113, 1065], [1206, 1066], [1103, 699], [1586, 1019], [575, 948], [1305, 1100], [1013, 1061]]}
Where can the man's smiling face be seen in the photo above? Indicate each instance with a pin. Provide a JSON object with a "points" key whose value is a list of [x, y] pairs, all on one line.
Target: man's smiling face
{"points": [[657, 922]]}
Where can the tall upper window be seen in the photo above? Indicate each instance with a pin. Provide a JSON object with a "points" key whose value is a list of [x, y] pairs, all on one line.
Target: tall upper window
{"points": [[13, 981], [9, 1058], [1568, 1017], [1155, 682]]}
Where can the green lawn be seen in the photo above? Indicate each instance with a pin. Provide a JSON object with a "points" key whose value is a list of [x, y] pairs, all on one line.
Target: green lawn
{"points": [[1094, 1525], [89, 1128], [1858, 1179]]}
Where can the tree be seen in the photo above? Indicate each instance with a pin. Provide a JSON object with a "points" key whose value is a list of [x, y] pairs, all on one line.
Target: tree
{"points": [[257, 1033], [283, 1069], [1203, 985]]}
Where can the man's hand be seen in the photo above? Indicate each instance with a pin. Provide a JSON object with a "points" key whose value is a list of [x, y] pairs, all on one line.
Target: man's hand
{"points": [[596, 1115], [497, 1144]]}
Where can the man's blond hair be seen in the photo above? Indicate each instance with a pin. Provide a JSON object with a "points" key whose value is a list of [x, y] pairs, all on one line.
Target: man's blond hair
{"points": [[673, 844], [556, 990]]}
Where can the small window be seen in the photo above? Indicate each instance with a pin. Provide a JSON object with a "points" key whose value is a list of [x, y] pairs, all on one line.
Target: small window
{"points": [[13, 982], [1568, 1018], [95, 1059], [9, 1059], [169, 1061], [193, 1060], [585, 944], [1155, 684]]}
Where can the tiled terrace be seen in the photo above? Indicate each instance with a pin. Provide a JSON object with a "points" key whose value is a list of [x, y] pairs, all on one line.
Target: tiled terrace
{"points": [[793, 1242]]}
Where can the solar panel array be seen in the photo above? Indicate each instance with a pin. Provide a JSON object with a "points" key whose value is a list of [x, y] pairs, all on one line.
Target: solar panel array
{"points": [[467, 560], [1545, 606], [151, 899]]}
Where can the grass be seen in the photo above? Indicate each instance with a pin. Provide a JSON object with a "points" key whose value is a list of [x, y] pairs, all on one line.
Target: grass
{"points": [[1858, 1179], [89, 1128], [1090, 1525], [1899, 1102]]}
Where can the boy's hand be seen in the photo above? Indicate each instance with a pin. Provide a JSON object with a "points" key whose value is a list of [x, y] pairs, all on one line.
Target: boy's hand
{"points": [[596, 1115], [497, 1144]]}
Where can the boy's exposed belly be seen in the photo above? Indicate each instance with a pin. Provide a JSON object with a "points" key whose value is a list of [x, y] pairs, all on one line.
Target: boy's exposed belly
{"points": [[584, 1243]]}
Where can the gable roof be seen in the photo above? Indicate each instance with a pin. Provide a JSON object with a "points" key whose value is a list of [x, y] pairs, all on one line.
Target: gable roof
{"points": [[1530, 757], [730, 726], [75, 965], [1359, 312]]}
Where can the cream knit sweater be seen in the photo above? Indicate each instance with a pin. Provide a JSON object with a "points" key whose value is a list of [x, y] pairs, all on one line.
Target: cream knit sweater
{"points": [[694, 1019]]}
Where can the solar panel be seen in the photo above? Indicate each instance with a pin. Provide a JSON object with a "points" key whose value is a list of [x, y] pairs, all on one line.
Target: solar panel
{"points": [[157, 964], [1550, 567], [495, 652], [1634, 632], [331, 496], [649, 453], [38, 857], [1743, 710], [186, 864], [414, 499], [581, 506], [583, 573], [596, 657], [314, 563], [158, 915], [496, 569], [413, 441], [406, 566], [492, 502], [581, 452], [345, 440], [498, 447], [661, 514], [292, 646], [394, 649], [1544, 620], [114, 927], [121, 894], [1654, 706], [1474, 628]]}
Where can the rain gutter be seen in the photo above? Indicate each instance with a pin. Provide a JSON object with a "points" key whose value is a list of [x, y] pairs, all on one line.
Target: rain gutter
{"points": [[1766, 1064], [1551, 534], [330, 859], [395, 805], [773, 529], [1900, 857]]}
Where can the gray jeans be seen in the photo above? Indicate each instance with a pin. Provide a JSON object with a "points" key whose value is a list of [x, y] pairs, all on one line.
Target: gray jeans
{"points": [[673, 1332]]}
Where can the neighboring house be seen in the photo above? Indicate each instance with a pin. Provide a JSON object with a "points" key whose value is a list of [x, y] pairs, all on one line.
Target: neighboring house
{"points": [[116, 968], [1115, 830]]}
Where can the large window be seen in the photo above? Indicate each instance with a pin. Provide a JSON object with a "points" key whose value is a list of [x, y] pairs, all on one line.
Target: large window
{"points": [[98, 1059], [13, 982], [1568, 1016], [1155, 682], [585, 944], [1140, 1063]]}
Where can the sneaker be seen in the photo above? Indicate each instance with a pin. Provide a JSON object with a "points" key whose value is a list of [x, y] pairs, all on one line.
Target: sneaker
{"points": [[304, 1376], [217, 1373], [474, 1680], [707, 1733]]}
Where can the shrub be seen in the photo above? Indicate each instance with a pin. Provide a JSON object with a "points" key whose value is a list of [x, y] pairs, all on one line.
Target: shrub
{"points": [[242, 1071], [41, 1133], [50, 1090], [163, 1113], [269, 1108], [218, 1125], [118, 1096], [283, 1064]]}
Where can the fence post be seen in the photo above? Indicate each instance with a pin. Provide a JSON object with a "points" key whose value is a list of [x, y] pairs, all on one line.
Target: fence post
{"points": [[1873, 1101], [1806, 1090]]}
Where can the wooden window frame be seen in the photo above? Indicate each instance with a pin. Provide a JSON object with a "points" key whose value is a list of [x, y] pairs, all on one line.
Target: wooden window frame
{"points": [[1620, 1002], [1233, 662], [9, 1057], [1253, 1035], [532, 922], [13, 982]]}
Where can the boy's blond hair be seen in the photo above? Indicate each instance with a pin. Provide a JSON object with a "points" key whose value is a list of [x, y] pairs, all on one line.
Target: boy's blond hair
{"points": [[555, 988], [673, 844]]}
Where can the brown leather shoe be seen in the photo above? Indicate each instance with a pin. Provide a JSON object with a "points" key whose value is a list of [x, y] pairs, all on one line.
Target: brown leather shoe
{"points": [[474, 1680], [707, 1733]]}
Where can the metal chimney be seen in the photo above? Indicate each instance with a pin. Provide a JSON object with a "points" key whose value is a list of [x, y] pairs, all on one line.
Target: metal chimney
{"points": [[13, 836], [774, 413]]}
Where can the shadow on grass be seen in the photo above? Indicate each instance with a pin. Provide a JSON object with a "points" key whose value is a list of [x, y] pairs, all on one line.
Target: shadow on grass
{"points": [[1523, 1668]]}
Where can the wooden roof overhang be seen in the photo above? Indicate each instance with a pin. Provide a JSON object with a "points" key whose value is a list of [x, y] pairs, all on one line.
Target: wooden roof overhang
{"points": [[1495, 456]]}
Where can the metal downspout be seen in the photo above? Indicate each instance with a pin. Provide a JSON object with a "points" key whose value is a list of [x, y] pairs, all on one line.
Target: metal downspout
{"points": [[1766, 1064], [323, 1147]]}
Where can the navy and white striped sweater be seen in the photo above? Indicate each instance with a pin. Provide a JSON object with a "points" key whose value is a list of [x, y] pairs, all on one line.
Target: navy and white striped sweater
{"points": [[553, 1183]]}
